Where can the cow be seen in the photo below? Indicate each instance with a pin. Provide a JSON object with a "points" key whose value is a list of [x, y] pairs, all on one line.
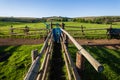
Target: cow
{"points": [[113, 33], [56, 34]]}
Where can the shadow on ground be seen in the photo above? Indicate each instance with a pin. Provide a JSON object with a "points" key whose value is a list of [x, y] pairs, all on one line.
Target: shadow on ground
{"points": [[5, 54], [57, 63]]}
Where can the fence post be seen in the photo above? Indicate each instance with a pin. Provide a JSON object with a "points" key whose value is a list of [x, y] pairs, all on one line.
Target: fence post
{"points": [[65, 36], [82, 30], [63, 26], [110, 26], [11, 30], [26, 30], [51, 26], [80, 62], [66, 41], [34, 54]]}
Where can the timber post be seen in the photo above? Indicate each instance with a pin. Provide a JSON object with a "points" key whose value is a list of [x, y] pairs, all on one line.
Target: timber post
{"points": [[79, 62], [65, 36], [11, 30], [82, 30], [111, 26], [51, 26], [26, 30], [63, 26], [66, 41], [34, 54]]}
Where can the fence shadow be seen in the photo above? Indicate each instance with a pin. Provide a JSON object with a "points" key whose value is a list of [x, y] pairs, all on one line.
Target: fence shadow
{"points": [[57, 64], [104, 56], [4, 55]]}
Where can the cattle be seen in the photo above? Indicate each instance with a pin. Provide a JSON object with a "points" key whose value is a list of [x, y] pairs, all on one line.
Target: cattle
{"points": [[56, 34], [113, 33]]}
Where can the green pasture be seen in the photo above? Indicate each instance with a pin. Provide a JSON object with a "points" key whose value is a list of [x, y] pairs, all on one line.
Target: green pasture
{"points": [[75, 32], [15, 61], [19, 32], [87, 33], [109, 58]]}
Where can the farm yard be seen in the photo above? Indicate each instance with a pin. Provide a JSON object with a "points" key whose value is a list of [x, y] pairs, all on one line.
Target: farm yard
{"points": [[59, 40], [15, 49]]}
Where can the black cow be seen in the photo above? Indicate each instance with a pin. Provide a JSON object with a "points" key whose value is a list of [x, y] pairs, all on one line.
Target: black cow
{"points": [[113, 33]]}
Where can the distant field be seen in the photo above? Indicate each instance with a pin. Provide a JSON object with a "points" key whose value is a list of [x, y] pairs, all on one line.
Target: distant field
{"points": [[108, 57], [75, 32], [15, 61], [88, 30], [5, 29]]}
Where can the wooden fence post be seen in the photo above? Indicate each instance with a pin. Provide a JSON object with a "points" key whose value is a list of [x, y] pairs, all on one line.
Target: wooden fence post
{"points": [[65, 36], [63, 26], [11, 30], [34, 54], [66, 41], [51, 26], [79, 62], [82, 30], [26, 30], [110, 26]]}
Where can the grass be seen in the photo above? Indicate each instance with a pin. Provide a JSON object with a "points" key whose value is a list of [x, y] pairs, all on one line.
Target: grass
{"points": [[92, 34], [5, 29], [109, 58], [15, 61]]}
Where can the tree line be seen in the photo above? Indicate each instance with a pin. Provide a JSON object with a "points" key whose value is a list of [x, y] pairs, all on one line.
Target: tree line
{"points": [[97, 20], [33, 20], [24, 20]]}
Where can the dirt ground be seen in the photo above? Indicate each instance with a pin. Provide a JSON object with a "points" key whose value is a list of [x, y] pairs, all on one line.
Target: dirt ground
{"points": [[113, 43], [11, 41]]}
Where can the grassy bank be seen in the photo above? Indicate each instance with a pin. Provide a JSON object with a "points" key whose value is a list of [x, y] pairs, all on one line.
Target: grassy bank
{"points": [[108, 57], [15, 61]]}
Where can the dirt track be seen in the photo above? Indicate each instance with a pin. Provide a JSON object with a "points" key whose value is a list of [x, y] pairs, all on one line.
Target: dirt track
{"points": [[113, 43], [98, 42], [10, 41]]}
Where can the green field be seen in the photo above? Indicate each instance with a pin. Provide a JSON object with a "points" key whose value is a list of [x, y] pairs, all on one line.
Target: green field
{"points": [[109, 58], [75, 32], [19, 33], [15, 61]]}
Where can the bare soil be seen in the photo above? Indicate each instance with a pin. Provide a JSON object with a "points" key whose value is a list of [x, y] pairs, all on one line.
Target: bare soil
{"points": [[11, 41], [112, 43]]}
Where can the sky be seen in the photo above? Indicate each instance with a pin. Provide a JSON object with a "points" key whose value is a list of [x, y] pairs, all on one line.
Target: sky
{"points": [[65, 8]]}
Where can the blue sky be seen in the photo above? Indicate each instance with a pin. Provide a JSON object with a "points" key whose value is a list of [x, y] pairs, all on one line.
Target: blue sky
{"points": [[66, 8]]}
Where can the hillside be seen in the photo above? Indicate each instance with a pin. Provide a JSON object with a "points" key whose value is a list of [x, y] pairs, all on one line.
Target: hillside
{"points": [[93, 19]]}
